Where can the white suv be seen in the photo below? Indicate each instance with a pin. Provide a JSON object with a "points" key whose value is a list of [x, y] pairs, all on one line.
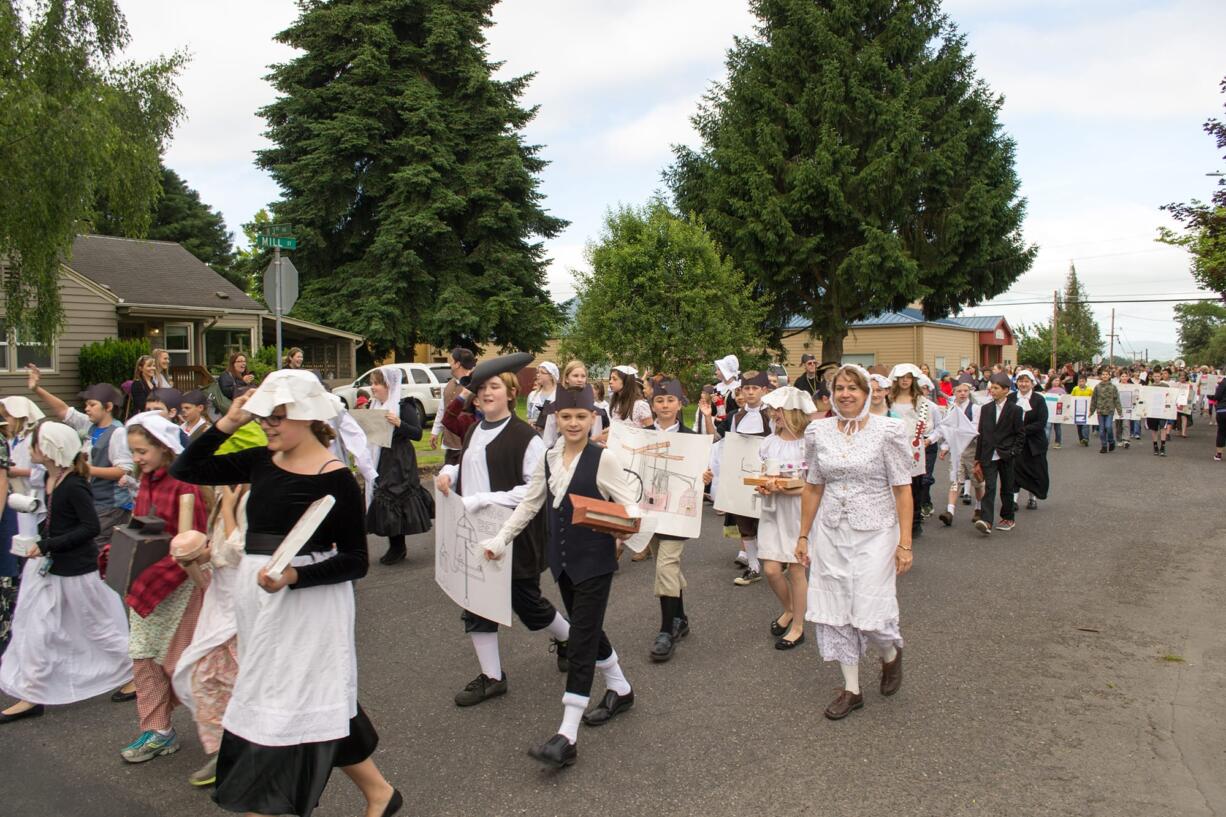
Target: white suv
{"points": [[423, 382]]}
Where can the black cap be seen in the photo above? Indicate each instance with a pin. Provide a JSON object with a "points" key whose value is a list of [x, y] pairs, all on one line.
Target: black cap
{"points": [[806, 357], [500, 365], [759, 379], [170, 398], [196, 397], [104, 393], [583, 398], [671, 386], [1001, 379]]}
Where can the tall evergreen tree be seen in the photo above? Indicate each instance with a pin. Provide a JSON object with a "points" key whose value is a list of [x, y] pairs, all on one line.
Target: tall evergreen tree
{"points": [[75, 122], [406, 176], [853, 163], [1079, 336], [181, 216]]}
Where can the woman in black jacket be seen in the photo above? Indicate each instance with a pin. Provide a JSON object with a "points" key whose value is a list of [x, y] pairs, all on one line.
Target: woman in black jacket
{"points": [[235, 373], [144, 381]]}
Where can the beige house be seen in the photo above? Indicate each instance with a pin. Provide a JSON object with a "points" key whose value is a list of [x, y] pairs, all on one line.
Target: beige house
{"points": [[125, 288]]}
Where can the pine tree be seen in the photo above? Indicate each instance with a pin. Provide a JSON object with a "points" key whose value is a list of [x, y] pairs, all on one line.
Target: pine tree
{"points": [[404, 172], [181, 216], [853, 163], [1079, 337]]}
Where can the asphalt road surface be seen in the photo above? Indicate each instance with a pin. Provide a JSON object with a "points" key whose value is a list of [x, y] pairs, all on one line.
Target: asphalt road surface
{"points": [[1072, 667]]}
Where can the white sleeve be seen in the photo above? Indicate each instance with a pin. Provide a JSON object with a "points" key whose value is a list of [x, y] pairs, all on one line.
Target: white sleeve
{"points": [[534, 497], [121, 457], [532, 457], [78, 421], [436, 430], [450, 471], [355, 442]]}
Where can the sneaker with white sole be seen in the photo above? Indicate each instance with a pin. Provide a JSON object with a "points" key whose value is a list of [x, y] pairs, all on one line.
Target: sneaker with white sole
{"points": [[747, 578], [1005, 524], [983, 527], [149, 745], [206, 775]]}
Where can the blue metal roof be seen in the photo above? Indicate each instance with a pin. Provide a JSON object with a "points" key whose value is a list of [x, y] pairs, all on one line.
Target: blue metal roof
{"points": [[982, 323], [902, 317]]}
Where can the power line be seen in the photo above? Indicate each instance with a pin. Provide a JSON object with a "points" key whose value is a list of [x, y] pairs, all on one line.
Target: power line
{"points": [[1121, 300]]}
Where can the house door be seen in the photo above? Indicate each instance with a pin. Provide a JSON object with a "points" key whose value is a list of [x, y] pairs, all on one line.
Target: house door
{"points": [[178, 339]]}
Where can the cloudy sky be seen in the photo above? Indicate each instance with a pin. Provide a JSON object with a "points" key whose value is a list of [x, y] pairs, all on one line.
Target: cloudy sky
{"points": [[1105, 98]]}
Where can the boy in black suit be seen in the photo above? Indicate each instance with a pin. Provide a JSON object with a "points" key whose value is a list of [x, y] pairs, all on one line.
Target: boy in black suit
{"points": [[1000, 438]]}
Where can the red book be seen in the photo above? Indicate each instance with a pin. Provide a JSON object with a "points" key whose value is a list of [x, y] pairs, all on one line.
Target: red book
{"points": [[600, 515]]}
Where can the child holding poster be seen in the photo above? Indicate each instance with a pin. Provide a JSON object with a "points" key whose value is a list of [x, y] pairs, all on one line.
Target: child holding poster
{"points": [[1083, 427]]}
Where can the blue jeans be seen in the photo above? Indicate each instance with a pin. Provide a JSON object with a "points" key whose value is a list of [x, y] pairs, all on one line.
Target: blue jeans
{"points": [[1083, 432], [1134, 426], [1106, 429], [1053, 430]]}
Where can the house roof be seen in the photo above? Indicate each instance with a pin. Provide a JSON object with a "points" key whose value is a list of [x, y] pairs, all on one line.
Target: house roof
{"points": [[158, 273], [982, 323], [901, 317]]}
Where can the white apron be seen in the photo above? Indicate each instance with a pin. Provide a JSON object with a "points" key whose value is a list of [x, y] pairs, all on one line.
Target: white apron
{"points": [[70, 639], [852, 577], [297, 665]]}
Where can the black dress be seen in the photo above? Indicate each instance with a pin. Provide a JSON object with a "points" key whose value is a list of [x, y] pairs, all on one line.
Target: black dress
{"points": [[285, 779], [1030, 465], [400, 505]]}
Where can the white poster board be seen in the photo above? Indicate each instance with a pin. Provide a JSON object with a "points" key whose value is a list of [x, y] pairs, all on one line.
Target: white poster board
{"points": [[375, 425], [475, 583], [1157, 402], [1207, 385], [665, 471], [739, 459]]}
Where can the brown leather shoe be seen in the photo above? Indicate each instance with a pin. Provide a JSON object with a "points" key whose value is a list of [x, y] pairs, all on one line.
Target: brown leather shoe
{"points": [[891, 675], [843, 705]]}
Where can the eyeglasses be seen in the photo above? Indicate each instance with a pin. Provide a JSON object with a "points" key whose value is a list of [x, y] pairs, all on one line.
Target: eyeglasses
{"points": [[272, 420]]}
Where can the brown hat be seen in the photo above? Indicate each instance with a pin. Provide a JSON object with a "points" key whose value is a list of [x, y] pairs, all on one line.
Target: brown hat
{"points": [[568, 398], [104, 393], [670, 386], [759, 379]]}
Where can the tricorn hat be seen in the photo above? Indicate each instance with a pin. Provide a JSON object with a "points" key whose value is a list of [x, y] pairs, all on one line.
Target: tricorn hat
{"points": [[505, 364], [567, 398], [669, 385], [759, 379]]}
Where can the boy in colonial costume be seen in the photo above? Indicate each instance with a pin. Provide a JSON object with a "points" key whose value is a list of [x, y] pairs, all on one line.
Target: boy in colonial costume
{"points": [[748, 419], [582, 561], [498, 458]]}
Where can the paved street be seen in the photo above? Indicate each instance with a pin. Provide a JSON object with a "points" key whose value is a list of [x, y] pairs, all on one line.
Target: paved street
{"points": [[1073, 667]]}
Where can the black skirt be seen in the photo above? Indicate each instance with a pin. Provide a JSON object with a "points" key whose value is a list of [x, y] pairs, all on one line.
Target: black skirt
{"points": [[400, 505], [286, 779], [1030, 473]]}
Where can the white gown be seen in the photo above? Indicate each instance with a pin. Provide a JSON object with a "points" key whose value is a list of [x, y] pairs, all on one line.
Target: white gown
{"points": [[779, 529]]}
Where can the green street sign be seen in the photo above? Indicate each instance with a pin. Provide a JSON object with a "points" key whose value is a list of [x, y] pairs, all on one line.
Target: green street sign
{"points": [[283, 241]]}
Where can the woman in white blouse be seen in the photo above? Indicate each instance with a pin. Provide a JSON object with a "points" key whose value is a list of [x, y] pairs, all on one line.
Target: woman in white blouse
{"points": [[859, 487]]}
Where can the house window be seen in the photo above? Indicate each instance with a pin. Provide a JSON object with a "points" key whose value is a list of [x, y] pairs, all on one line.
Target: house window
{"points": [[940, 361], [16, 354], [1000, 334], [178, 340], [219, 344], [966, 361], [861, 360]]}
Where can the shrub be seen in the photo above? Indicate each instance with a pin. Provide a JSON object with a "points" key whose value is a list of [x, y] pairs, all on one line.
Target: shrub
{"points": [[263, 362], [111, 360]]}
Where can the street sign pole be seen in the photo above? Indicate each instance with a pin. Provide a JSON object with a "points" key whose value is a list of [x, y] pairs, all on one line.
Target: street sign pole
{"points": [[276, 256]]}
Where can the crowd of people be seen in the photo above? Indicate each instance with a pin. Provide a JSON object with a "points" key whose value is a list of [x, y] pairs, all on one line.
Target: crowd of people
{"points": [[261, 649]]}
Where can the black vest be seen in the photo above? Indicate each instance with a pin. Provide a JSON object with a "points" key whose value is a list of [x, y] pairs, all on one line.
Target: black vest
{"points": [[579, 552], [504, 459]]}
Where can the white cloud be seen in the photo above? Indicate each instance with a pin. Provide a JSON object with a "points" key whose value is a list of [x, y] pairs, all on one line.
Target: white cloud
{"points": [[649, 138]]}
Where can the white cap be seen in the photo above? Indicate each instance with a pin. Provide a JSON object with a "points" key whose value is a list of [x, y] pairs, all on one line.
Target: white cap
{"points": [[905, 368], [158, 427], [59, 443], [789, 397], [298, 390]]}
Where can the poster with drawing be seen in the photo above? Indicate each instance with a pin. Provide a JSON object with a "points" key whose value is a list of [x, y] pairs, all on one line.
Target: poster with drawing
{"points": [[665, 471], [375, 425], [739, 459], [1130, 396], [1157, 402], [1207, 384], [460, 567]]}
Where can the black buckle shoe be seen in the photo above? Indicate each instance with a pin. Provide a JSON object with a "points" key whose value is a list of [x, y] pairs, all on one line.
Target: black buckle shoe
{"points": [[662, 650], [681, 628], [35, 711], [393, 556], [557, 752], [609, 706]]}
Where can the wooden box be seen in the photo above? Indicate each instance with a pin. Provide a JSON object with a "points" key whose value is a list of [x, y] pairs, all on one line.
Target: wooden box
{"points": [[143, 543]]}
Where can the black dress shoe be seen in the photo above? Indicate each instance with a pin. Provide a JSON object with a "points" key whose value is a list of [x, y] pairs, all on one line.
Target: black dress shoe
{"points": [[681, 628], [393, 556], [557, 752], [608, 707], [120, 697], [784, 644], [662, 650], [35, 711], [395, 804], [776, 630]]}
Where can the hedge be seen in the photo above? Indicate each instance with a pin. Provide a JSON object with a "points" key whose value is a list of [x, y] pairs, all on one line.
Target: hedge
{"points": [[110, 361]]}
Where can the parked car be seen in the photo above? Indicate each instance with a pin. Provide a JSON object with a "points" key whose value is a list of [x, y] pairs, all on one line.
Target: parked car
{"points": [[422, 381]]}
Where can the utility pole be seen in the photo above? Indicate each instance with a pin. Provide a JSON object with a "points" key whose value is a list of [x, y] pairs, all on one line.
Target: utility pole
{"points": [[276, 260], [1055, 320], [1111, 354]]}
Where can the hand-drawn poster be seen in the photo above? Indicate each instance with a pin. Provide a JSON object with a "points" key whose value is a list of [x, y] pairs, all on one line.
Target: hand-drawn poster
{"points": [[374, 423], [1129, 397], [1157, 402], [475, 583], [739, 459], [665, 471]]}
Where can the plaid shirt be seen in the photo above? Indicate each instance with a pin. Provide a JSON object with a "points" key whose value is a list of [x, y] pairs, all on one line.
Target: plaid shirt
{"points": [[159, 496]]}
